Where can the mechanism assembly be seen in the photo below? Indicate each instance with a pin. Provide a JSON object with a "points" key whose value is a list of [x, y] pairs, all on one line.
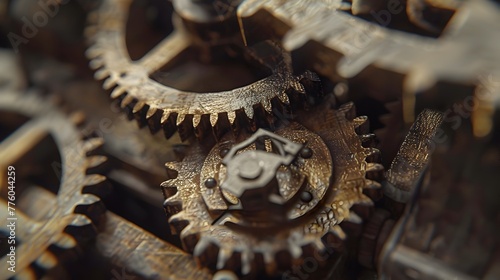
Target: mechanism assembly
{"points": [[302, 139]]}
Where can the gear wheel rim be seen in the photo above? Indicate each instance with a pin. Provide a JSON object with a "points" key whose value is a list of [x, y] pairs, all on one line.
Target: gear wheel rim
{"points": [[195, 238], [161, 106], [73, 180]]}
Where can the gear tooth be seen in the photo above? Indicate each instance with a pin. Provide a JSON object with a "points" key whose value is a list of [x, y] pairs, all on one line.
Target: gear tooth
{"points": [[231, 116], [88, 199], [93, 52], [284, 98], [296, 85], [94, 179], [181, 217], [365, 201], [101, 74], [95, 161], [196, 120], [173, 201], [151, 112], [310, 76], [246, 261], [173, 165], [80, 220], [359, 121], [188, 231], [295, 251], [138, 107], [126, 101], [353, 218], [213, 119], [164, 116], [66, 241], [249, 112], [117, 92], [180, 119], [109, 82], [201, 247], [367, 137], [96, 63], [77, 118], [371, 151], [267, 106], [374, 167], [319, 245], [337, 231], [370, 184], [92, 144], [46, 260], [224, 254], [349, 106]]}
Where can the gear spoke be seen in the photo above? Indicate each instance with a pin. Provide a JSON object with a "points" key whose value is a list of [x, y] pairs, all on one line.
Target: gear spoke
{"points": [[164, 52], [20, 142]]}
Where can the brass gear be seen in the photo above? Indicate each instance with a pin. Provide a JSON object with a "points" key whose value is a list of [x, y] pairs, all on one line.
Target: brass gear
{"points": [[73, 208], [210, 234], [160, 106]]}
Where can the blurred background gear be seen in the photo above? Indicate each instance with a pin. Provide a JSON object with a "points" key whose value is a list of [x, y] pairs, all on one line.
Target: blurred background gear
{"points": [[271, 173]]}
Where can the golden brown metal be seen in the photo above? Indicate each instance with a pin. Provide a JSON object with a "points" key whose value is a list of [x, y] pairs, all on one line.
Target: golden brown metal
{"points": [[413, 156], [160, 105], [36, 234], [228, 243], [347, 47]]}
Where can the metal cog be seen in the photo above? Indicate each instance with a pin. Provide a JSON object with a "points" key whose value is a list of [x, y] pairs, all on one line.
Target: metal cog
{"points": [[73, 209], [335, 182], [158, 105]]}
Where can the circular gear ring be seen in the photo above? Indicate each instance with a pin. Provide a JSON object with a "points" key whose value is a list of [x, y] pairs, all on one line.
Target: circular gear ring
{"points": [[212, 233], [65, 212], [158, 105]]}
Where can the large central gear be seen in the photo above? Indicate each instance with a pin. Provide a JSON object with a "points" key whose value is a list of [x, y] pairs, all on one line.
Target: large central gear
{"points": [[159, 105], [72, 208], [272, 193]]}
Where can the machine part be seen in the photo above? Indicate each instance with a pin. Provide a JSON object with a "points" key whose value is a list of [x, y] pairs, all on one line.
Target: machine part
{"points": [[158, 105], [199, 199], [73, 208], [340, 46], [413, 157], [449, 230]]}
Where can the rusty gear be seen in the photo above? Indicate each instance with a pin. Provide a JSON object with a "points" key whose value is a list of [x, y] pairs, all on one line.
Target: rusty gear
{"points": [[158, 105], [311, 194], [71, 209]]}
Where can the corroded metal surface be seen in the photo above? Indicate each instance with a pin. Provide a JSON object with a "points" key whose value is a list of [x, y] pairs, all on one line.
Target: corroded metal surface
{"points": [[413, 156], [238, 243], [160, 105], [36, 235]]}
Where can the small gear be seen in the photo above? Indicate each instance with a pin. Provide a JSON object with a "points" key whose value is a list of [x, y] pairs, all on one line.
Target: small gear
{"points": [[158, 105], [74, 207], [244, 203]]}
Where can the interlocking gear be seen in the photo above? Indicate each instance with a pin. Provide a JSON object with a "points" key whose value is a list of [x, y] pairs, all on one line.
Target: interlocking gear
{"points": [[159, 105], [73, 208], [274, 192]]}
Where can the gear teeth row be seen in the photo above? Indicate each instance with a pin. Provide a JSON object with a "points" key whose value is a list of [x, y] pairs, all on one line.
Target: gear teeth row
{"points": [[75, 208], [195, 124], [215, 254], [190, 114]]}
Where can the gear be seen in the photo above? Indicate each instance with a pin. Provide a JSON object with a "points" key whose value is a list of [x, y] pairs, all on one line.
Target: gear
{"points": [[158, 105], [73, 208], [244, 204]]}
